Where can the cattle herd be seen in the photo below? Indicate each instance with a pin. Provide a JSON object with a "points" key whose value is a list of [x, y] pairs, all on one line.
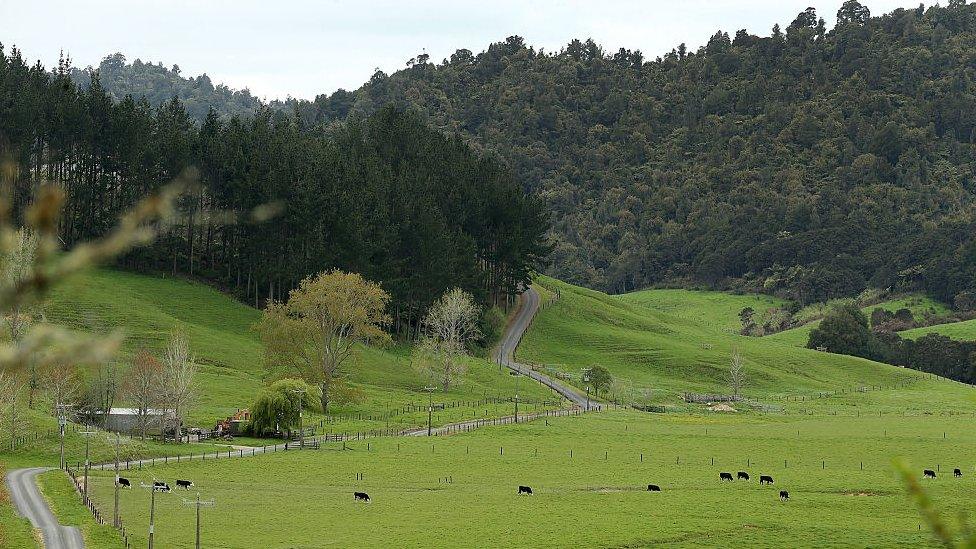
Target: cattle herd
{"points": [[526, 490], [157, 486]]}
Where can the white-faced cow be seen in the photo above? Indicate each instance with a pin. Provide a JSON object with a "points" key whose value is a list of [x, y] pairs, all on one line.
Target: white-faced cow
{"points": [[928, 473], [956, 473], [784, 495], [160, 486], [361, 496], [184, 484]]}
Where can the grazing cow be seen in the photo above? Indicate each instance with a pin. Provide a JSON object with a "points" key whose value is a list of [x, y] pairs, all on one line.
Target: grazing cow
{"points": [[726, 476], [765, 479], [361, 496], [928, 473], [160, 486], [184, 484], [525, 490], [742, 475], [784, 495], [956, 473], [653, 488], [124, 482]]}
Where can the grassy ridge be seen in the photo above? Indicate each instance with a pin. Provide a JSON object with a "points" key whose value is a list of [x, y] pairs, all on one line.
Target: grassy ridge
{"points": [[965, 330], [650, 343]]}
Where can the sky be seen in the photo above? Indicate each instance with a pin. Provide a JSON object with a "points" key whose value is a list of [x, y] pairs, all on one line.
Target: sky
{"points": [[302, 48]]}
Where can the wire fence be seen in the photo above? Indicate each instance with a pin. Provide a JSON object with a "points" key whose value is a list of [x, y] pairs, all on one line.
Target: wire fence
{"points": [[93, 508], [345, 437]]}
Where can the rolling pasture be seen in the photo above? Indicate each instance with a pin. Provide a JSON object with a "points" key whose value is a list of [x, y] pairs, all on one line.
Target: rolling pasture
{"points": [[655, 347], [589, 476], [826, 428]]}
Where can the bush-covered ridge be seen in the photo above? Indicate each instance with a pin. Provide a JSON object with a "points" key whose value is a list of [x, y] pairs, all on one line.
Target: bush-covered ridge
{"points": [[810, 163]]}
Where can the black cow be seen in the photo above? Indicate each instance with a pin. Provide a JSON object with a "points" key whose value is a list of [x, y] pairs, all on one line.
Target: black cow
{"points": [[160, 486], [784, 495], [185, 484], [653, 488], [525, 490], [742, 475], [956, 473], [361, 496], [765, 479], [928, 473], [726, 476], [124, 482]]}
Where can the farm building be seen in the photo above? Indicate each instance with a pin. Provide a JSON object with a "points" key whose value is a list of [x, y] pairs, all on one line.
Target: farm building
{"points": [[127, 420]]}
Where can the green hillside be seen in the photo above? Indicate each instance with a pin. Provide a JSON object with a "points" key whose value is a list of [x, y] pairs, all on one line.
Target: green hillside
{"points": [[652, 343], [920, 306], [230, 356], [964, 331], [715, 310]]}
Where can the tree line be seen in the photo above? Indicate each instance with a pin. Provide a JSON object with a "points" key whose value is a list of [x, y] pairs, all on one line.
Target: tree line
{"points": [[409, 207], [845, 330]]}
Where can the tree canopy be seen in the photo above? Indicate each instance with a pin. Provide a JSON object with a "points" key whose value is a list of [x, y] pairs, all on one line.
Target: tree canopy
{"points": [[415, 209], [810, 163]]}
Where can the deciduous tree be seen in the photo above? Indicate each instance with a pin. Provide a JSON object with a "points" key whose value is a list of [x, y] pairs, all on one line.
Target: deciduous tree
{"points": [[178, 372], [450, 325], [315, 333]]}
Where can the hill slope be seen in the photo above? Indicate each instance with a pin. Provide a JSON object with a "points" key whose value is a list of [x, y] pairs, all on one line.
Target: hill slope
{"points": [[232, 370], [809, 161], [650, 344]]}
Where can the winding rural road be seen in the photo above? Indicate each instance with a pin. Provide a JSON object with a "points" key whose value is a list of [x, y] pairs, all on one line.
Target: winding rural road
{"points": [[505, 352], [27, 498]]}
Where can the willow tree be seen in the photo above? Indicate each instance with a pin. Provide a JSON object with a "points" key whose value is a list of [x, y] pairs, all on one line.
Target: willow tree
{"points": [[319, 328]]}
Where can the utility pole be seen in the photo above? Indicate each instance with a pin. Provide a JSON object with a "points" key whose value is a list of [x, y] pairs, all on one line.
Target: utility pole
{"points": [[198, 503], [430, 408], [301, 423], [586, 380], [518, 377], [152, 509], [62, 410], [88, 435], [115, 520]]}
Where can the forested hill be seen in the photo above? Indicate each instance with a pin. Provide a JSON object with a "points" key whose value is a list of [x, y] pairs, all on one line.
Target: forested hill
{"points": [[385, 196], [809, 162], [159, 84]]}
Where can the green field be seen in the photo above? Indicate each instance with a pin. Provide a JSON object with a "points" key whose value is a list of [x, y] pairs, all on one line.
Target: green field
{"points": [[964, 331], [231, 372], [825, 426], [594, 497]]}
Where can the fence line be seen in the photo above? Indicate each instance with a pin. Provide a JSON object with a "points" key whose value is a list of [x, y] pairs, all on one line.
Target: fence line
{"points": [[315, 442], [96, 513]]}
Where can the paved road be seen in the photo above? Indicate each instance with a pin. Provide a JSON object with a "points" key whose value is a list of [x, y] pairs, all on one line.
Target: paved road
{"points": [[27, 498], [505, 352]]}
